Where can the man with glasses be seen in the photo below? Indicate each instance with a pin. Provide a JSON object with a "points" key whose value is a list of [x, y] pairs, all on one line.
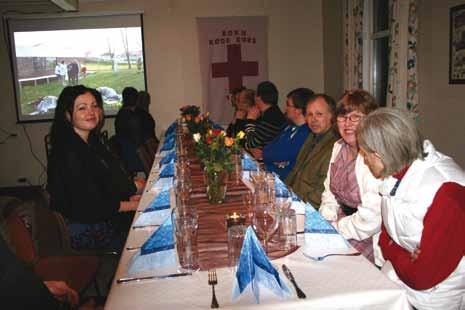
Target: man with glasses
{"points": [[279, 156]]}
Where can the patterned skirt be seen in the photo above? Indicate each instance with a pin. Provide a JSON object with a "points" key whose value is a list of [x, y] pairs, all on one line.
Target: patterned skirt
{"points": [[97, 236]]}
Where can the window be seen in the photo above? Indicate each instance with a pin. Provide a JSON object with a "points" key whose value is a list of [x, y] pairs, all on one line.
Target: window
{"points": [[376, 48]]}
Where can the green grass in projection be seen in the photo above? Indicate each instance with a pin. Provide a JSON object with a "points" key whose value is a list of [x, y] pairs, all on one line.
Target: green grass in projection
{"points": [[99, 75]]}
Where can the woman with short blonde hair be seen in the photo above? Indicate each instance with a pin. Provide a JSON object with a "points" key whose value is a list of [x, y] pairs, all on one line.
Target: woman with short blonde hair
{"points": [[423, 210]]}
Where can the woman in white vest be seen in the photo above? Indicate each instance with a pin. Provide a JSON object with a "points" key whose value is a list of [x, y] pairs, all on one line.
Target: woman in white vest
{"points": [[350, 200], [423, 210]]}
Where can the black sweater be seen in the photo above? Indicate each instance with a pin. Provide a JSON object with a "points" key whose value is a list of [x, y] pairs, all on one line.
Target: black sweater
{"points": [[86, 182], [262, 131]]}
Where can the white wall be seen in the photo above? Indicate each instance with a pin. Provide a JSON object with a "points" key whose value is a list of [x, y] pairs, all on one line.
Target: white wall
{"points": [[295, 59], [442, 105]]}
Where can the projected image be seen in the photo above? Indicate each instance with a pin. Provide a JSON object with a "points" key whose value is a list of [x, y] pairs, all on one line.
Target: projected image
{"points": [[46, 61]]}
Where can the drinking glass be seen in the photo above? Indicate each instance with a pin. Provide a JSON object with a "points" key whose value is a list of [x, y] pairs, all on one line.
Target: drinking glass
{"points": [[236, 234], [265, 222], [288, 230], [185, 223]]}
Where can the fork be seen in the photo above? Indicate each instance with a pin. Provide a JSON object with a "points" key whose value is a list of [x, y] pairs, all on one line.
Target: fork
{"points": [[320, 258], [213, 280]]}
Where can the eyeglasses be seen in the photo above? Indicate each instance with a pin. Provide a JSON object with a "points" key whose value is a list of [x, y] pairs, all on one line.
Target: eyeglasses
{"points": [[354, 118]]}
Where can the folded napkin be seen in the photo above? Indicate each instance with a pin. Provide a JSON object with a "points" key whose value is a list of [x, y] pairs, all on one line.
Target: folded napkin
{"points": [[157, 211], [162, 184], [168, 171], [248, 164], [321, 238], [255, 272], [168, 144], [171, 129], [157, 252], [169, 158]]}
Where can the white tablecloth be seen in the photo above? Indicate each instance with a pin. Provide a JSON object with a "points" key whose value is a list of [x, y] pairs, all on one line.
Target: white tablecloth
{"points": [[338, 282]]}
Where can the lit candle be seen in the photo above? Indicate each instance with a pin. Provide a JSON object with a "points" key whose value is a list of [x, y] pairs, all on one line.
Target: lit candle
{"points": [[234, 219]]}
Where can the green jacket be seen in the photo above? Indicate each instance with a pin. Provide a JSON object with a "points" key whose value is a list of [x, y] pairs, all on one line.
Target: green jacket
{"points": [[309, 173]]}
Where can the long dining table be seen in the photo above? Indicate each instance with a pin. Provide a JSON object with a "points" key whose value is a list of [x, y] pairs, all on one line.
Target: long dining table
{"points": [[337, 282]]}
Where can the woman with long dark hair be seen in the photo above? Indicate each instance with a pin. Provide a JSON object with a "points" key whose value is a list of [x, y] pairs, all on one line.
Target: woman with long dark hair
{"points": [[87, 184]]}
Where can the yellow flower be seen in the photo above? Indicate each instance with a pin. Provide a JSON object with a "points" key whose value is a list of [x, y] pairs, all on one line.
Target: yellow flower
{"points": [[228, 141], [240, 135]]}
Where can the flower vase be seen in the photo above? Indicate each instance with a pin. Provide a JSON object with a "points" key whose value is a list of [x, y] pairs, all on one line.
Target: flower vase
{"points": [[216, 186]]}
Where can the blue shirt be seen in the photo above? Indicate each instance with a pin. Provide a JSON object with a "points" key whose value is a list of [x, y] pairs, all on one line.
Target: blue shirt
{"points": [[280, 154]]}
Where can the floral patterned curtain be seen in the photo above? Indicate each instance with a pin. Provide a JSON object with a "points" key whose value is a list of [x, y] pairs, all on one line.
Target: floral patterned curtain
{"points": [[402, 84], [353, 44]]}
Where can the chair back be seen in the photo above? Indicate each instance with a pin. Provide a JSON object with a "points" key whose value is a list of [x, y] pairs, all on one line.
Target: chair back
{"points": [[146, 152], [20, 238], [48, 146]]}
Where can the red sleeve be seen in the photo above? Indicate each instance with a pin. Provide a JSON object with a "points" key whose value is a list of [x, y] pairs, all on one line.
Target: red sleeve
{"points": [[442, 242]]}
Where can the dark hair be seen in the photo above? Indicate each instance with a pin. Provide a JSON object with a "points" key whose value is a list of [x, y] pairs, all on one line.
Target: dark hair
{"points": [[268, 92], [99, 99], [329, 101], [62, 127], [130, 96], [300, 97], [356, 100]]}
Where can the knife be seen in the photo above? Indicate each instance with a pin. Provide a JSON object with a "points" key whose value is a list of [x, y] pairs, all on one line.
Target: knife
{"points": [[289, 275], [137, 279]]}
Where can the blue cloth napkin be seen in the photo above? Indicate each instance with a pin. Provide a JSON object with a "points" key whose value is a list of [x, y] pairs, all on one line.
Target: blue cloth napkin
{"points": [[168, 171], [168, 145], [248, 164], [255, 271], [171, 129], [157, 211], [321, 238], [315, 223], [171, 156], [157, 252]]}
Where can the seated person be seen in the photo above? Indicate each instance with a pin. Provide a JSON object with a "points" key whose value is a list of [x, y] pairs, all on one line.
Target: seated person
{"points": [[20, 287], [128, 131], [146, 119], [309, 172], [350, 199], [423, 202], [86, 183], [234, 100], [280, 154], [245, 101], [265, 120]]}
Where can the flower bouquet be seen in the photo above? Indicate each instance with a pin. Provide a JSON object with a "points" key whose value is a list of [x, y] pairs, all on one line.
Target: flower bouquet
{"points": [[215, 150]]}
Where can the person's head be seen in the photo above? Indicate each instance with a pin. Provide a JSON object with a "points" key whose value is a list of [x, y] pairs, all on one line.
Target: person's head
{"points": [[246, 99], [267, 94], [353, 106], [99, 99], [234, 96], [143, 100], [320, 113], [78, 110], [130, 97], [296, 104], [389, 141], [62, 62]]}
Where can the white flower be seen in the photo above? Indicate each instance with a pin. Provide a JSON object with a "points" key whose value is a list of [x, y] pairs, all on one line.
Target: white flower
{"points": [[196, 137]]}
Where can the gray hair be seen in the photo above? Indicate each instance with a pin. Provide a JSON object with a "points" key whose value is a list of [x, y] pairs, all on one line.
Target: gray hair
{"points": [[393, 135]]}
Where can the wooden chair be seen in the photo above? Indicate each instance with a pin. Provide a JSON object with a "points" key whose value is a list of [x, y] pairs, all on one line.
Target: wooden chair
{"points": [[146, 152], [78, 271]]}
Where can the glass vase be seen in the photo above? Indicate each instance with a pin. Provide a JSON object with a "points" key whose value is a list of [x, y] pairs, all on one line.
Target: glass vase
{"points": [[236, 174], [216, 186]]}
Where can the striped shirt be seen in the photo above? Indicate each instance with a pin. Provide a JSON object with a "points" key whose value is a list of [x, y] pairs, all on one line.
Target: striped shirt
{"points": [[262, 131]]}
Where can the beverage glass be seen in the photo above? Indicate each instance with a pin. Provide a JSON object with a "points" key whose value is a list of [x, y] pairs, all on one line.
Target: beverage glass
{"points": [[236, 235], [265, 222], [185, 223], [288, 230]]}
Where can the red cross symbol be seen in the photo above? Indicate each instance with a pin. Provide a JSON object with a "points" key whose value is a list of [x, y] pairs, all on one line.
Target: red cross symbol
{"points": [[234, 69]]}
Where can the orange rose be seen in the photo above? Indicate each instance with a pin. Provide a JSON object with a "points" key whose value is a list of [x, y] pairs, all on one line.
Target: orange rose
{"points": [[228, 141]]}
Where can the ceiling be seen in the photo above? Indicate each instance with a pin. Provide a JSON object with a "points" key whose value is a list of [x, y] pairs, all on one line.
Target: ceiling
{"points": [[39, 6]]}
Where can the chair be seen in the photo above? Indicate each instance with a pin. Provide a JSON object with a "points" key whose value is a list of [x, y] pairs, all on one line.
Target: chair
{"points": [[48, 146], [146, 152], [78, 271]]}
